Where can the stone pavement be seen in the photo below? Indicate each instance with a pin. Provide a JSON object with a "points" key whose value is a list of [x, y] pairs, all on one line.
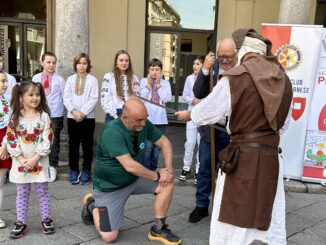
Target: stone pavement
{"points": [[305, 211], [306, 218]]}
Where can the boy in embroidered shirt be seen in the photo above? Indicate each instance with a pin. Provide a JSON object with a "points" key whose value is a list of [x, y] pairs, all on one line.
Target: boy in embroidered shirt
{"points": [[54, 86], [158, 90], [80, 98]]}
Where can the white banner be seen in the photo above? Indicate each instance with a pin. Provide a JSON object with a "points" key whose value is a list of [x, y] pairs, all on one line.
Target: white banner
{"points": [[315, 150], [297, 48]]}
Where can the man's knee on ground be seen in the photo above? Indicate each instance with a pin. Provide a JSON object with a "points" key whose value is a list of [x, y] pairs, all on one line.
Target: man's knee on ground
{"points": [[109, 237], [106, 233]]}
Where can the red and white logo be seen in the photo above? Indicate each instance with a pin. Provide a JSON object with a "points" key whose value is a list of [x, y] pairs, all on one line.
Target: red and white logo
{"points": [[322, 119], [298, 107]]}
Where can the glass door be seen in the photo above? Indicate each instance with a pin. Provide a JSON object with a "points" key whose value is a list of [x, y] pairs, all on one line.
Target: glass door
{"points": [[166, 46], [35, 45], [11, 48], [22, 45]]}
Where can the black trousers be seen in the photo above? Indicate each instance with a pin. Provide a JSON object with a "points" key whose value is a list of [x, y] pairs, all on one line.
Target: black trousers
{"points": [[55, 149], [81, 132]]}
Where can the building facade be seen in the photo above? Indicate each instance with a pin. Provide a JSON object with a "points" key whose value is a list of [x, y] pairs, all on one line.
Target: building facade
{"points": [[174, 31]]}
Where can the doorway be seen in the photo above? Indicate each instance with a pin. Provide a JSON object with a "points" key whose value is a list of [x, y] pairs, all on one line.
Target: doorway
{"points": [[22, 45], [177, 32]]}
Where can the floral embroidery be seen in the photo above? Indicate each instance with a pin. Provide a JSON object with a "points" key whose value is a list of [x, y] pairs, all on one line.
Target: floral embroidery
{"points": [[36, 170], [11, 139], [29, 138], [4, 113]]}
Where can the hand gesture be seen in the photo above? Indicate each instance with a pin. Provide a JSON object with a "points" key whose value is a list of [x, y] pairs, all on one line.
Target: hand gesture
{"points": [[195, 101], [183, 115], [78, 116], [166, 177], [209, 60], [29, 163], [3, 152]]}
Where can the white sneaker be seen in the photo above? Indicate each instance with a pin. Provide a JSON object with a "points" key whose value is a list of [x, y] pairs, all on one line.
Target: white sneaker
{"points": [[52, 174], [2, 224]]}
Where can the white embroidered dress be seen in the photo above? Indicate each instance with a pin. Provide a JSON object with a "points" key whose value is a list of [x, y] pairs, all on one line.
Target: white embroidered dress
{"points": [[32, 136]]}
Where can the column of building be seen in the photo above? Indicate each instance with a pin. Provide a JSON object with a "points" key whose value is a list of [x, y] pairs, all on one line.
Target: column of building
{"points": [[294, 11], [71, 38]]}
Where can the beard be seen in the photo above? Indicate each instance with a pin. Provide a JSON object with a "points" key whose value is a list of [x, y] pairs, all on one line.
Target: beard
{"points": [[138, 129]]}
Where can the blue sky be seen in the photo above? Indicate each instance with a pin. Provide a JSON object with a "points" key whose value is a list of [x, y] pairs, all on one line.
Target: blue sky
{"points": [[195, 14]]}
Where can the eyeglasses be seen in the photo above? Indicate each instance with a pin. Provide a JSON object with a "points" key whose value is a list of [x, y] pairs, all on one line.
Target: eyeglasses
{"points": [[227, 58]]}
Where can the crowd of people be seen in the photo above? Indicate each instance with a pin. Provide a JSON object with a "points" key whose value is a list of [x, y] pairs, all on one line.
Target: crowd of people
{"points": [[249, 103]]}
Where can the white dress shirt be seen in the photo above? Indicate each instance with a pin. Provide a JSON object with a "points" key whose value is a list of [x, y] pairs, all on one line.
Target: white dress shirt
{"points": [[55, 98], [156, 114], [188, 94], [84, 103], [215, 107]]}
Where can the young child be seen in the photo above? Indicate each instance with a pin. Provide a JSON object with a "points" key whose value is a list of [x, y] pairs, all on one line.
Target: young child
{"points": [[5, 161], [192, 134], [54, 86], [118, 86], [29, 138], [11, 79], [80, 98], [154, 88]]}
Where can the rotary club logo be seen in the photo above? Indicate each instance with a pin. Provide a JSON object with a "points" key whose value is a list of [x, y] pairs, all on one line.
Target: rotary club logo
{"points": [[289, 56]]}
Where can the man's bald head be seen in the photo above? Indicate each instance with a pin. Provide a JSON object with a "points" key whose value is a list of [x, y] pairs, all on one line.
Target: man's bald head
{"points": [[134, 114], [226, 51], [134, 106]]}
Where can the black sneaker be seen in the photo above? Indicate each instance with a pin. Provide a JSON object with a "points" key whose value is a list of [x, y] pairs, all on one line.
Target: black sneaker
{"points": [[86, 214], [19, 230], [184, 175], [47, 226], [164, 235], [197, 214]]}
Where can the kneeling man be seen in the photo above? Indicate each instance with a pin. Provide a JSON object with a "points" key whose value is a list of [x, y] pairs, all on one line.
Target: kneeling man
{"points": [[118, 174]]}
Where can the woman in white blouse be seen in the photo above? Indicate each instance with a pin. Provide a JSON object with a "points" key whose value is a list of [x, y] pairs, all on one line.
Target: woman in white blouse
{"points": [[118, 86], [80, 98]]}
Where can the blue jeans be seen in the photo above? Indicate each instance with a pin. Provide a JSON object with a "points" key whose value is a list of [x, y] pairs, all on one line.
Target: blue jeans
{"points": [[204, 176], [109, 118], [152, 152]]}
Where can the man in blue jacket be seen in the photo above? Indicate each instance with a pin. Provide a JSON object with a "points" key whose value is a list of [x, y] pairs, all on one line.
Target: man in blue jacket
{"points": [[226, 59]]}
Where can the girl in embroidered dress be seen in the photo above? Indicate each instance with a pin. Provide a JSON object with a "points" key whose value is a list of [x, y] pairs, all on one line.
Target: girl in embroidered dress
{"points": [[5, 161], [118, 86], [158, 90], [29, 138], [80, 98]]}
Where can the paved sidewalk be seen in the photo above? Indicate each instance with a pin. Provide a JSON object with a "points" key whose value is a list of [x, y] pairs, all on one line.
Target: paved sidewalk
{"points": [[306, 218], [305, 215]]}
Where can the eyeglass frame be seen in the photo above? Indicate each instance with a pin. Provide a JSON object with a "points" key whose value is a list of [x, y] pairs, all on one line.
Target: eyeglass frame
{"points": [[229, 59]]}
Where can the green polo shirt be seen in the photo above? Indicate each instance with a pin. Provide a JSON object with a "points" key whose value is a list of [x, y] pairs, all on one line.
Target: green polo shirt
{"points": [[116, 140]]}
